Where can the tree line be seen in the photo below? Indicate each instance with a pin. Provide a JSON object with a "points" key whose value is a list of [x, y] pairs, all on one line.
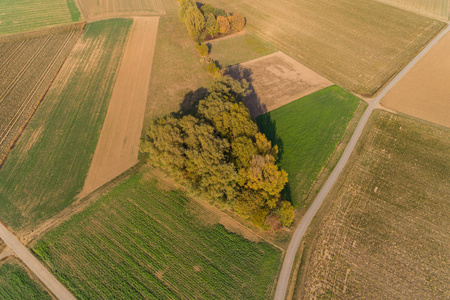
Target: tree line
{"points": [[208, 22], [218, 153]]}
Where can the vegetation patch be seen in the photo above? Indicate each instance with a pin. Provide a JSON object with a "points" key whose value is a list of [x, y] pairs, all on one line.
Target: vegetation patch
{"points": [[239, 48], [16, 284], [120, 8], [139, 241], [386, 230], [27, 67], [307, 133], [216, 151], [48, 166], [345, 41], [25, 15]]}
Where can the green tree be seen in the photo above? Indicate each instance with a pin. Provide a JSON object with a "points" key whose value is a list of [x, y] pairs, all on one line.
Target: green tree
{"points": [[212, 28], [220, 12], [195, 23], [203, 49], [207, 9]]}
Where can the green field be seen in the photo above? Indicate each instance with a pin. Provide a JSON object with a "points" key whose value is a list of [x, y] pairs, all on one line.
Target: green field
{"points": [[439, 9], [25, 15], [358, 45], [240, 48], [47, 167], [141, 242], [16, 284], [385, 230], [307, 132]]}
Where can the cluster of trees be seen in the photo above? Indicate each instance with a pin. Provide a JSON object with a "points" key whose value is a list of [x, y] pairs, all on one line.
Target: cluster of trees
{"points": [[208, 22], [218, 153]]}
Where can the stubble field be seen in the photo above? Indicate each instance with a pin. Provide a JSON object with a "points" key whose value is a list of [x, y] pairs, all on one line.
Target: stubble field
{"points": [[424, 91], [16, 284], [48, 166], [94, 9], [386, 231], [140, 241], [24, 15], [27, 67], [439, 9], [359, 44], [308, 132]]}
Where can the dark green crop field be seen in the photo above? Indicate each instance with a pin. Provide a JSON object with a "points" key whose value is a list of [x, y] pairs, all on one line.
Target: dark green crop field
{"points": [[307, 132], [141, 242]]}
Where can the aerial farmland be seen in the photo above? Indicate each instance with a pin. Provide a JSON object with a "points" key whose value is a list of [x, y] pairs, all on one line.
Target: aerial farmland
{"points": [[173, 149]]}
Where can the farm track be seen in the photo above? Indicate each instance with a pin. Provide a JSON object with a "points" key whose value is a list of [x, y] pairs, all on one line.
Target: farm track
{"points": [[283, 281]]}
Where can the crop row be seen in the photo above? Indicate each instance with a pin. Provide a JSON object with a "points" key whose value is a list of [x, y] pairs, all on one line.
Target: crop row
{"points": [[144, 242]]}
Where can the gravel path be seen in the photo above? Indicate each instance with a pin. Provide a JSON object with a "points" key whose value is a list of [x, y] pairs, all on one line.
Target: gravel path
{"points": [[34, 265], [283, 280]]}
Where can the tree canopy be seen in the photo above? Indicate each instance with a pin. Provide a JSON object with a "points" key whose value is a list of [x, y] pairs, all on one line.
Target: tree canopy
{"points": [[218, 153]]}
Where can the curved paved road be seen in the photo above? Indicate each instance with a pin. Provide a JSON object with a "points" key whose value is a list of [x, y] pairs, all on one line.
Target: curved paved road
{"points": [[34, 265], [283, 280]]}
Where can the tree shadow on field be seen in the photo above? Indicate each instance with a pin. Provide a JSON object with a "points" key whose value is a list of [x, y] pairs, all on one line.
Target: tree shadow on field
{"points": [[251, 101], [190, 101]]}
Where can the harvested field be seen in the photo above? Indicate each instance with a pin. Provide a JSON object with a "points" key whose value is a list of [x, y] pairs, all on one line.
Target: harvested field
{"points": [[25, 15], [424, 91], [141, 242], [276, 80], [94, 9], [48, 166], [27, 68], [118, 146], [358, 44], [386, 232], [16, 283], [313, 124], [239, 48], [177, 74], [438, 9]]}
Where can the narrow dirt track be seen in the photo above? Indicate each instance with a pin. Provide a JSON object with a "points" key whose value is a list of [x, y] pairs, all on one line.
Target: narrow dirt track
{"points": [[283, 280], [34, 265], [118, 145]]}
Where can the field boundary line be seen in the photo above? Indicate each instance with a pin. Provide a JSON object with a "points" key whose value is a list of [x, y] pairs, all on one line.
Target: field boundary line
{"points": [[291, 252]]}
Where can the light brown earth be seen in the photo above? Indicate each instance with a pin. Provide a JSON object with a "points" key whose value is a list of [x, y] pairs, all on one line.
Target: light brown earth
{"points": [[385, 233], [276, 80], [103, 9], [424, 92], [438, 9], [118, 145]]}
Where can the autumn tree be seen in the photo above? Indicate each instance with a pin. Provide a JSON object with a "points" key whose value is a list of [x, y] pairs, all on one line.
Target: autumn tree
{"points": [[224, 24], [237, 22], [218, 153], [212, 28]]}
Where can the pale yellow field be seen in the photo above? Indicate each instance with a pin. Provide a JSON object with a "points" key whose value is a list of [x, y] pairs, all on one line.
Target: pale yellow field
{"points": [[439, 9], [95, 9]]}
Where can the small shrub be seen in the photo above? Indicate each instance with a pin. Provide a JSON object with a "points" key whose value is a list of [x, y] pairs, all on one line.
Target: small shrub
{"points": [[286, 214], [213, 69], [203, 49]]}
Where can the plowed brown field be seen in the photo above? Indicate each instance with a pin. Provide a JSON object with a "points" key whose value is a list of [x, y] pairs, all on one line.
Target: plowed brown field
{"points": [[118, 145], [277, 79], [424, 92], [94, 9], [27, 67]]}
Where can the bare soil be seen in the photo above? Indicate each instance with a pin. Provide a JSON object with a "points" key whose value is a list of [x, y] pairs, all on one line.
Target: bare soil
{"points": [[276, 80], [118, 145], [424, 91]]}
